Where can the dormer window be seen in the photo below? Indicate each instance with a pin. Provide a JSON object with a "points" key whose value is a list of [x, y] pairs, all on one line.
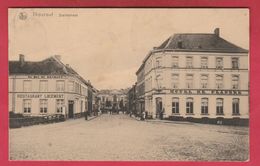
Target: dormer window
{"points": [[180, 44]]}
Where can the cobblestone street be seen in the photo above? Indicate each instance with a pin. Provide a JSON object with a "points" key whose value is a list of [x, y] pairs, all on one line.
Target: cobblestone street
{"points": [[119, 137]]}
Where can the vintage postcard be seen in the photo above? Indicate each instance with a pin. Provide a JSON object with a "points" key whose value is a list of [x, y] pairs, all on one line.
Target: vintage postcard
{"points": [[128, 84]]}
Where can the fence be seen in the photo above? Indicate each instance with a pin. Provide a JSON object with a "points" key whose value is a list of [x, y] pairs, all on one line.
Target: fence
{"points": [[17, 122]]}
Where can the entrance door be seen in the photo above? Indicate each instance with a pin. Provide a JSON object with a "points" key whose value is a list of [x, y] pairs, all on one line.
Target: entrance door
{"points": [[71, 109], [158, 107]]}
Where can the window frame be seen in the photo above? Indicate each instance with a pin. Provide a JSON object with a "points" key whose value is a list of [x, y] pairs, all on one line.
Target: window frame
{"points": [[29, 87], [189, 105], [175, 80], [236, 106], [175, 62], [233, 86], [189, 82], [219, 85], [203, 66], [46, 86], [204, 108], [201, 81], [175, 105], [189, 64], [59, 104], [237, 63], [58, 89], [25, 106], [220, 108], [222, 63], [44, 106]]}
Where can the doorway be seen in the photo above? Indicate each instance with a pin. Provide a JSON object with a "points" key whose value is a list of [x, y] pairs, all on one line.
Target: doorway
{"points": [[158, 106], [71, 109]]}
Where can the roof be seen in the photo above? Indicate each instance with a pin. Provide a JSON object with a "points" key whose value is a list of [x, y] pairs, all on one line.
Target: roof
{"points": [[49, 66], [199, 42]]}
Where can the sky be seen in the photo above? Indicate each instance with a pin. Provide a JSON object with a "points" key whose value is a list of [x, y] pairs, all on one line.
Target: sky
{"points": [[108, 45]]}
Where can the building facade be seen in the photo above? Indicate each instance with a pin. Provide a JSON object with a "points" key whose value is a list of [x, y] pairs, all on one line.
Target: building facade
{"points": [[140, 89], [196, 76], [116, 99], [131, 100], [46, 87]]}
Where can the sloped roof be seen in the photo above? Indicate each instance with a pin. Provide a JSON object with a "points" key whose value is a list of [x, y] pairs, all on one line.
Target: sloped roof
{"points": [[196, 42], [49, 66]]}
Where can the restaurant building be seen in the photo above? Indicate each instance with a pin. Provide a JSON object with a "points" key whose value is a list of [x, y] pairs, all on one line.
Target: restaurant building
{"points": [[46, 87], [196, 76]]}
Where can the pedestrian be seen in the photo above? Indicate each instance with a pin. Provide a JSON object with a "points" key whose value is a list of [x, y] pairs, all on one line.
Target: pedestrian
{"points": [[161, 114], [144, 115], [63, 111], [86, 115]]}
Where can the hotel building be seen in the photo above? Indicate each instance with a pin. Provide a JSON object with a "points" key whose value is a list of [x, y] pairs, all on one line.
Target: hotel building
{"points": [[47, 87], [196, 76]]}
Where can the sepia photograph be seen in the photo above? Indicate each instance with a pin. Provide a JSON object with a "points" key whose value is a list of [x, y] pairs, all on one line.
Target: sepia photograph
{"points": [[128, 84]]}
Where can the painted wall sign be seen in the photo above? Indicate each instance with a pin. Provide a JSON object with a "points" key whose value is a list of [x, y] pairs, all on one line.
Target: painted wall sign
{"points": [[46, 76], [46, 96], [208, 92]]}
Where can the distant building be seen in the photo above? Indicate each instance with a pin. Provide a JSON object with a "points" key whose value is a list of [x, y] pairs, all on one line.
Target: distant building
{"points": [[47, 87], [140, 90], [195, 76], [112, 98], [132, 100]]}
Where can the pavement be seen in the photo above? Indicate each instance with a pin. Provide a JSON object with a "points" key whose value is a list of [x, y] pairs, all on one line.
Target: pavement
{"points": [[122, 138]]}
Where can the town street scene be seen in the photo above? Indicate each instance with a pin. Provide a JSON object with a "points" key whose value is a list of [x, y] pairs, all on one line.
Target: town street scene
{"points": [[128, 84]]}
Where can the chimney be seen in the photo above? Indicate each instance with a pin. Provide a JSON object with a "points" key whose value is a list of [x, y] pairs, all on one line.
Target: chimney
{"points": [[21, 59], [57, 57], [216, 31]]}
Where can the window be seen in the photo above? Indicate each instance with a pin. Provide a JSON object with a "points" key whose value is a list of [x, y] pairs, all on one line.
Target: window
{"points": [[43, 85], [60, 85], [189, 106], [27, 85], [59, 105], [204, 81], [219, 81], [180, 44], [27, 106], [204, 106], [71, 86], [189, 62], [219, 63], [204, 62], [235, 64], [159, 81], [189, 80], [158, 62], [235, 106], [219, 106], [175, 62], [175, 80], [43, 106], [235, 81], [175, 105]]}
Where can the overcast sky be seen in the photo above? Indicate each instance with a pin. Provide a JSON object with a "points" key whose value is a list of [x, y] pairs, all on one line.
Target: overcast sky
{"points": [[107, 46]]}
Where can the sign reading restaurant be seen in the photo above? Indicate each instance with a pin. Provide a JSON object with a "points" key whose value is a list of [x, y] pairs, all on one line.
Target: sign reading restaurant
{"points": [[33, 95]]}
